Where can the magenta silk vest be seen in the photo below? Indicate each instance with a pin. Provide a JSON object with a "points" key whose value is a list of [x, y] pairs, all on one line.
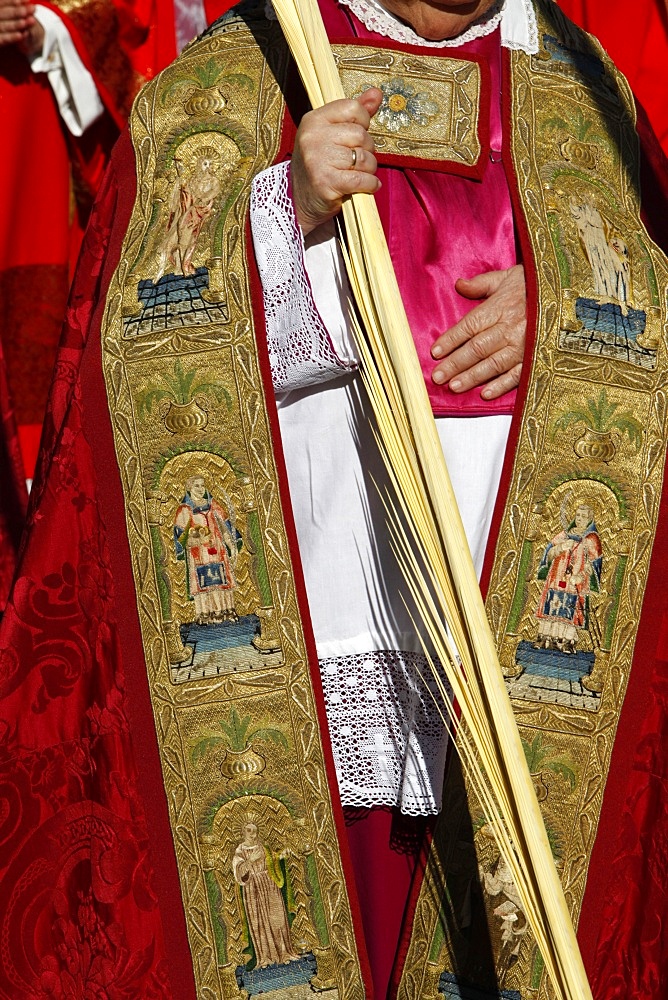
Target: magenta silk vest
{"points": [[441, 226]]}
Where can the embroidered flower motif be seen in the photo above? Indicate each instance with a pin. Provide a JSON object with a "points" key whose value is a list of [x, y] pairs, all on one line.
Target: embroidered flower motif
{"points": [[402, 106]]}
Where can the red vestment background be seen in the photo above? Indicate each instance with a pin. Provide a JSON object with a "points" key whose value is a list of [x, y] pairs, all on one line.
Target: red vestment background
{"points": [[636, 37], [48, 181], [90, 900]]}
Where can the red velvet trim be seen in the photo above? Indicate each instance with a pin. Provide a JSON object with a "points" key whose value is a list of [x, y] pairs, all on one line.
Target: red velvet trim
{"points": [[526, 256], [14, 492], [411, 906], [29, 438], [475, 170], [653, 180], [384, 863], [287, 137], [112, 511]]}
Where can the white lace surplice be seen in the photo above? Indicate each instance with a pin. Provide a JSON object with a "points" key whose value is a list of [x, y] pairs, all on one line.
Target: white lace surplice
{"points": [[386, 728]]}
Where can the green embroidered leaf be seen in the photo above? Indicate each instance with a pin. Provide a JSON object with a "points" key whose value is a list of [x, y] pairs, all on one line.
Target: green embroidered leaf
{"points": [[208, 743]]}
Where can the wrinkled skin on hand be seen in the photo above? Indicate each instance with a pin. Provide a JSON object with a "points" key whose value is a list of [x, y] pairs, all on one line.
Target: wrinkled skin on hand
{"points": [[322, 169], [19, 27], [486, 347]]}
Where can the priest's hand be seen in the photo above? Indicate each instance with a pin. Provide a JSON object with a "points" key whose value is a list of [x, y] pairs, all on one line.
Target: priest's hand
{"points": [[333, 157], [486, 347], [18, 26], [17, 22]]}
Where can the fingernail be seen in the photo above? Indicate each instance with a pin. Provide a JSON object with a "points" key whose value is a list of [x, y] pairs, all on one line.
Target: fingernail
{"points": [[439, 378], [455, 385], [486, 393], [437, 352]]}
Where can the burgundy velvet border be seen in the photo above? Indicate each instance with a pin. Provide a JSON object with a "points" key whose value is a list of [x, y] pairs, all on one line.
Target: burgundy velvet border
{"points": [[287, 140], [111, 503], [527, 258], [411, 906], [477, 169]]}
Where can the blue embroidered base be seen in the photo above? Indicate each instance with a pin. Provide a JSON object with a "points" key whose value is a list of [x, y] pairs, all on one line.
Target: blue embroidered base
{"points": [[276, 977], [453, 990]]}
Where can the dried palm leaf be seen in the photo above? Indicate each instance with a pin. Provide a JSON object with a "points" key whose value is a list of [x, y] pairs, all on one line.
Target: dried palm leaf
{"points": [[442, 579]]}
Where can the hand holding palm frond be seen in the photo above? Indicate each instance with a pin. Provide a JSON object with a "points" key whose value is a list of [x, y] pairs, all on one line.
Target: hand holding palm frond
{"points": [[443, 582]]}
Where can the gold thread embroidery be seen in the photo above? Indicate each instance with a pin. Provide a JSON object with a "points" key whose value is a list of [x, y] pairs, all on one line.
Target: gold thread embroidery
{"points": [[234, 709], [431, 104], [574, 546]]}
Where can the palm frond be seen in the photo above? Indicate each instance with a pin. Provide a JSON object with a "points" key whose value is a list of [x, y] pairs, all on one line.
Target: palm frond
{"points": [[558, 766], [271, 734], [241, 80], [601, 411], [441, 579], [570, 417], [208, 74], [150, 397], [215, 389], [630, 426]]}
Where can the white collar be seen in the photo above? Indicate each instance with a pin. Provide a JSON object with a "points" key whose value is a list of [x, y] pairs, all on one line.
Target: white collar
{"points": [[516, 17]]}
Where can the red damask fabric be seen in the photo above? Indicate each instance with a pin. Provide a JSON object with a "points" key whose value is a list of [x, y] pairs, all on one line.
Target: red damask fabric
{"points": [[48, 181], [14, 492], [90, 903], [78, 915]]}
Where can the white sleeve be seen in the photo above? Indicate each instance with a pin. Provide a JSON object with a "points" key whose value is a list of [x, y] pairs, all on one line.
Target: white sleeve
{"points": [[74, 88], [305, 289]]}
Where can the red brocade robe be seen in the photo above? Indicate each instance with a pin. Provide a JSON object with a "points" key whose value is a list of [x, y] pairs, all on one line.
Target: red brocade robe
{"points": [[48, 180], [89, 890]]}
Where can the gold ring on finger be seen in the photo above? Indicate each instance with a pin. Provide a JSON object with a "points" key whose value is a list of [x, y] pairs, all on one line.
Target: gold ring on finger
{"points": [[354, 163]]}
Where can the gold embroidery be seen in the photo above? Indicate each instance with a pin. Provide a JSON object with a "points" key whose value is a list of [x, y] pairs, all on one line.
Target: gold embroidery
{"points": [[574, 546], [431, 104], [261, 877]]}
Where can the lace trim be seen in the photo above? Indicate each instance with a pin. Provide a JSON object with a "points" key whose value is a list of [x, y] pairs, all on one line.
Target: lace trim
{"points": [[388, 738], [374, 17], [300, 348], [519, 30], [530, 43]]}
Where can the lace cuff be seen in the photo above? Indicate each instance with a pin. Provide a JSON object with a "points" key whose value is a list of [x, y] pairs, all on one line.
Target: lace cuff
{"points": [[302, 349]]}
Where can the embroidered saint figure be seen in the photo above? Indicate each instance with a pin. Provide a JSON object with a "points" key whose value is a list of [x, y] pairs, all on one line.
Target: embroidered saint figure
{"points": [[259, 873], [608, 256], [206, 538], [571, 568], [194, 195], [500, 886]]}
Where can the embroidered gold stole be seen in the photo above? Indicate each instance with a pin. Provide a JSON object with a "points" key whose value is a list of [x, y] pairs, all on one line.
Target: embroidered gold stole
{"points": [[217, 588], [580, 517], [236, 712]]}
